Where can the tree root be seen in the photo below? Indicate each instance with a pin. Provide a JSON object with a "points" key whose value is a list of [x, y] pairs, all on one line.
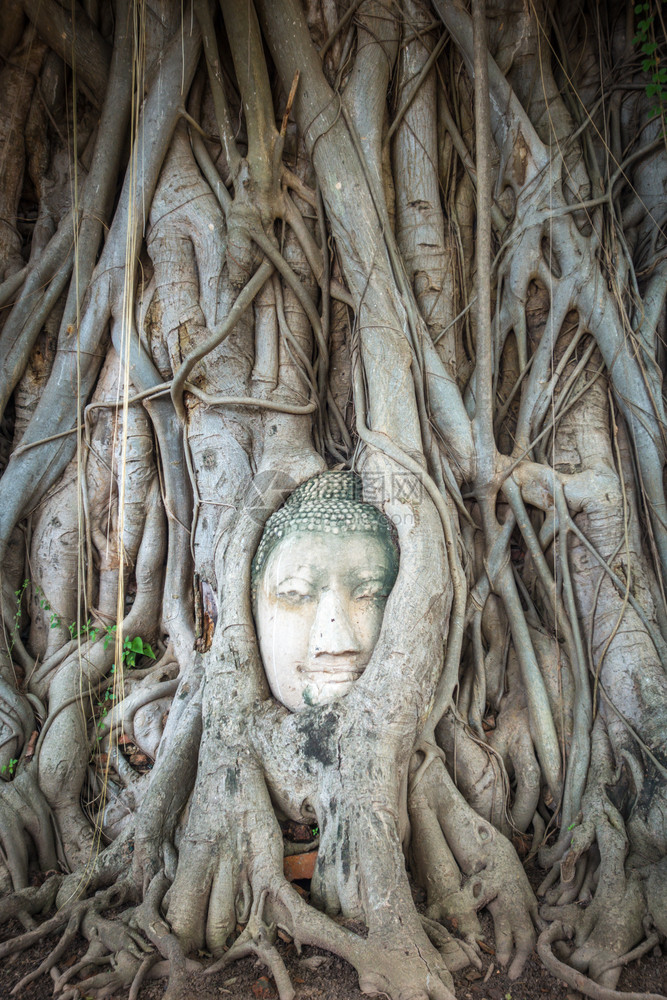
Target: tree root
{"points": [[147, 964], [49, 962], [642, 949], [94, 956], [559, 931], [119, 943], [147, 919], [31, 900], [456, 952], [78, 910], [258, 938], [487, 861]]}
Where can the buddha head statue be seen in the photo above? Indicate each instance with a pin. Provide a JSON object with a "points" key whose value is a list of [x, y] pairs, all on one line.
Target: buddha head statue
{"points": [[321, 576]]}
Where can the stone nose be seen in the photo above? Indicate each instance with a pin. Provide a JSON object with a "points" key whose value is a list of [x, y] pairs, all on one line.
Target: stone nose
{"points": [[333, 632]]}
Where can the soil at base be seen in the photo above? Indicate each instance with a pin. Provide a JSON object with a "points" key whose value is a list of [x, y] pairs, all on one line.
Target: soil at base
{"points": [[318, 975], [332, 979]]}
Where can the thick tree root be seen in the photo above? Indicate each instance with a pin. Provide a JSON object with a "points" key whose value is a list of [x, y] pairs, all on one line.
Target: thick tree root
{"points": [[451, 834], [50, 961], [258, 938], [31, 900], [456, 952], [561, 932]]}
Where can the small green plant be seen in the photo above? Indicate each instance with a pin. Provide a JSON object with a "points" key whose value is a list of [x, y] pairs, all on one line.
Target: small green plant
{"points": [[87, 630], [17, 614], [103, 706], [132, 648], [55, 621], [12, 766], [645, 40]]}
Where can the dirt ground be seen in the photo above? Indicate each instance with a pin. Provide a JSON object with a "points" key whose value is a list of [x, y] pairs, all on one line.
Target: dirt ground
{"points": [[317, 975]]}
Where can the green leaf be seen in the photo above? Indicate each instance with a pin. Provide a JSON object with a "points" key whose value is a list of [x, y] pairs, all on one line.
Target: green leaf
{"points": [[649, 48]]}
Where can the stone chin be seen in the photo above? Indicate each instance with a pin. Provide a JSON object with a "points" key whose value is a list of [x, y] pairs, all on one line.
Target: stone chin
{"points": [[323, 688]]}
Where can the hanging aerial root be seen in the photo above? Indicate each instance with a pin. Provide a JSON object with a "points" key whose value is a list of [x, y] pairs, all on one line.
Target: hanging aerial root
{"points": [[558, 931]]}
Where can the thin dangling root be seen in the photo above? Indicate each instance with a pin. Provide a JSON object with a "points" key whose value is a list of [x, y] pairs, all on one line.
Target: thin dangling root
{"points": [[560, 932]]}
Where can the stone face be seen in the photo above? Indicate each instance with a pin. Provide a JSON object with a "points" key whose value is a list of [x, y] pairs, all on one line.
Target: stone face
{"points": [[321, 577], [319, 608]]}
